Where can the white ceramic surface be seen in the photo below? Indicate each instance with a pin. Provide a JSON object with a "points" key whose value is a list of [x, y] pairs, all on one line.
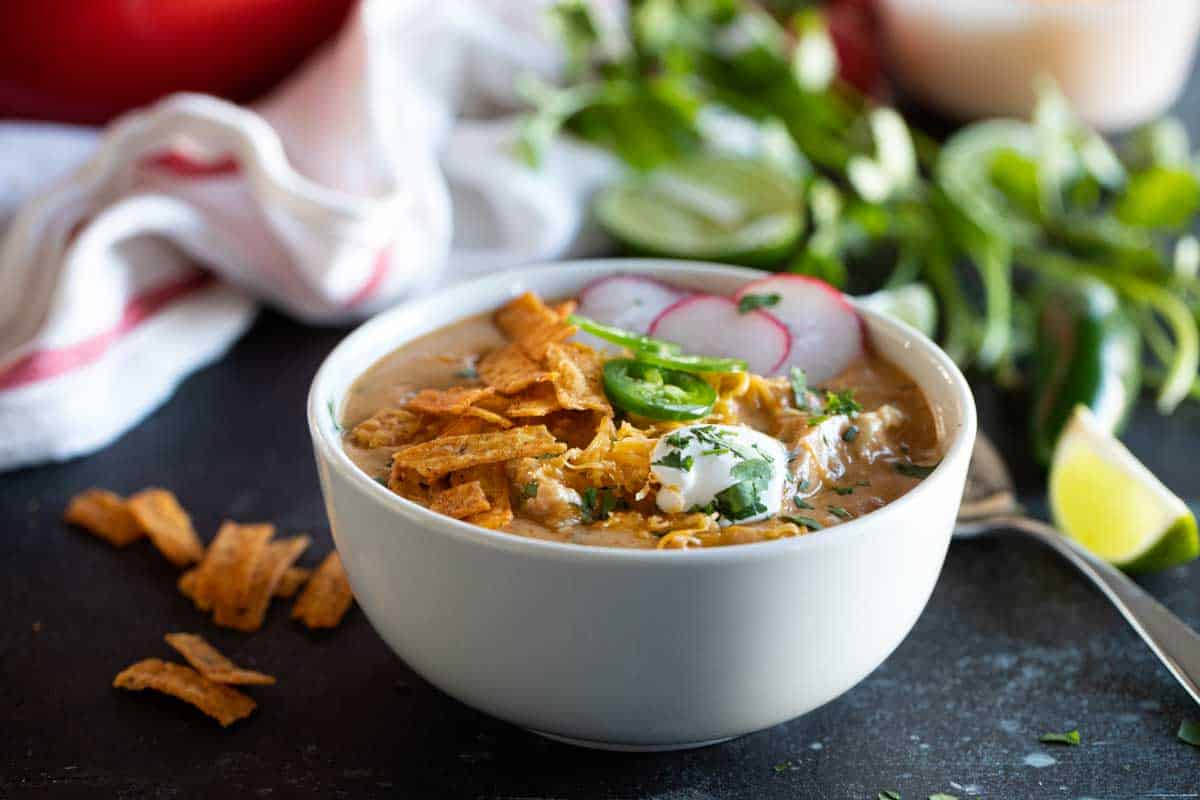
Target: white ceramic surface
{"points": [[1119, 62], [625, 648]]}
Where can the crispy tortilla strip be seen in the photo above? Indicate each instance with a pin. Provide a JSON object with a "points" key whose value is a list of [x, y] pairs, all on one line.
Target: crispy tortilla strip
{"points": [[187, 583], [493, 479], [390, 427], [508, 370], [579, 383], [268, 572], [460, 426], [531, 324], [209, 662], [536, 401], [105, 514], [461, 501], [576, 428], [565, 309], [455, 400], [453, 453], [169, 527], [293, 578], [225, 571], [229, 585], [327, 597], [222, 703]]}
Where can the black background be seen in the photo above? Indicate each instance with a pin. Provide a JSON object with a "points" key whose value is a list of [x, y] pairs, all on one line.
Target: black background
{"points": [[1012, 644]]}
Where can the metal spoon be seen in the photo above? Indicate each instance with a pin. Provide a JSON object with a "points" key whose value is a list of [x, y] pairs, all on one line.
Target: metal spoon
{"points": [[990, 507]]}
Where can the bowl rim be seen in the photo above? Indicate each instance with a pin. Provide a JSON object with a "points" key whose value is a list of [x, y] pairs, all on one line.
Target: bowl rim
{"points": [[330, 452]]}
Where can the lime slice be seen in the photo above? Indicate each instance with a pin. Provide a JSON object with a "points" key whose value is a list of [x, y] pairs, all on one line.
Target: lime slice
{"points": [[1105, 499], [718, 208]]}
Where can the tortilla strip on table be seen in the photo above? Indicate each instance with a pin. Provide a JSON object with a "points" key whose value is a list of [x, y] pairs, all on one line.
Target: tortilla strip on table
{"points": [[293, 578], [453, 453], [268, 572], [106, 515], [327, 597], [210, 663], [532, 324], [227, 566], [222, 703], [169, 527]]}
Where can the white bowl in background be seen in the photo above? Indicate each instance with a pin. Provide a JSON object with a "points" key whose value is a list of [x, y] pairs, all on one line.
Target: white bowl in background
{"points": [[1119, 62], [623, 648]]}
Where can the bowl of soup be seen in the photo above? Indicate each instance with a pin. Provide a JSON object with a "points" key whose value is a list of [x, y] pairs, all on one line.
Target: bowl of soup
{"points": [[641, 504]]}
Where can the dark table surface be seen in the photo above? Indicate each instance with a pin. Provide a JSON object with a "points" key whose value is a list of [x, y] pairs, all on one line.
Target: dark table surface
{"points": [[1012, 644]]}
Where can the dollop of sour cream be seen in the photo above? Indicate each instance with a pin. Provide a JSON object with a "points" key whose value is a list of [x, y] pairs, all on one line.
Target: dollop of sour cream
{"points": [[731, 470]]}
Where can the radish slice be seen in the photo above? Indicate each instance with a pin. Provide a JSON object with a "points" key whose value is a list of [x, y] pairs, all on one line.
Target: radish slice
{"points": [[826, 332], [708, 325], [627, 301]]}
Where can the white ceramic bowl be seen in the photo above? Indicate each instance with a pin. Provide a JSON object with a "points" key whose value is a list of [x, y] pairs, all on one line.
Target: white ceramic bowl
{"points": [[635, 649], [1119, 62]]}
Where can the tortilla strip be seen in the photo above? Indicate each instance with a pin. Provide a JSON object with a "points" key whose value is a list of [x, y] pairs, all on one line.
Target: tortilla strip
{"points": [[461, 501], [187, 583], [293, 578], [531, 324], [455, 400], [580, 382], [508, 370], [169, 527], [222, 703], [536, 401], [272, 564], [209, 662], [453, 453], [327, 597], [493, 480], [105, 514], [228, 564], [565, 309], [389, 427]]}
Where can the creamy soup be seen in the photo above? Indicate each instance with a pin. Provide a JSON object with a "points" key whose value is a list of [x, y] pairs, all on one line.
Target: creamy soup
{"points": [[532, 434]]}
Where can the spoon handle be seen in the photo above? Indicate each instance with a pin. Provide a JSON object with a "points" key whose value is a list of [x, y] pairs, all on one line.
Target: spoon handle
{"points": [[1176, 645]]}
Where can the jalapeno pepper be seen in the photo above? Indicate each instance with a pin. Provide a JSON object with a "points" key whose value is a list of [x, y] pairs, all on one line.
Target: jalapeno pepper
{"points": [[1088, 351], [655, 392], [622, 337], [686, 363]]}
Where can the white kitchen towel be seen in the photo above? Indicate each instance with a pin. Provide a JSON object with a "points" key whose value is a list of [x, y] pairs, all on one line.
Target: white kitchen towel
{"points": [[134, 255]]}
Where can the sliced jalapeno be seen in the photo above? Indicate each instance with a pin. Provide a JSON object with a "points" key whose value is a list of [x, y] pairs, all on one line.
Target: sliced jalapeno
{"points": [[692, 363], [622, 337], [655, 392]]}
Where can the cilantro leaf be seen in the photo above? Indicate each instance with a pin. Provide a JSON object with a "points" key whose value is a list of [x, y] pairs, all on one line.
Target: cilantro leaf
{"points": [[529, 490], [676, 460], [841, 402], [802, 521], [596, 505], [753, 302], [1070, 737], [839, 512], [912, 470]]}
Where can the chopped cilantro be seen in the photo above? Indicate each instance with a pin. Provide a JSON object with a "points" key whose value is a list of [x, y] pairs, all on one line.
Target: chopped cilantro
{"points": [[716, 451], [337, 425], [801, 502], [850, 434], [1070, 737], [803, 522], [382, 480], [676, 460], [843, 490], [529, 489], [799, 387], [803, 485], [752, 302], [744, 499], [841, 402], [839, 512], [596, 505], [677, 439], [1189, 731], [914, 470]]}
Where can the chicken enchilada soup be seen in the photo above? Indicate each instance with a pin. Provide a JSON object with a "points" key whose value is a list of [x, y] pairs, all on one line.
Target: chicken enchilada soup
{"points": [[639, 415]]}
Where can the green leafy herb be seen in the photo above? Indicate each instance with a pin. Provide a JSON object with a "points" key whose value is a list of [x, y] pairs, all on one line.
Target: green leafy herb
{"points": [[911, 470], [679, 439], [1070, 737], [744, 499], [382, 480], [597, 504], [839, 512], [799, 387], [841, 402], [801, 503], [333, 417], [529, 490], [803, 522], [676, 460], [843, 490], [850, 434], [804, 485], [753, 302], [1189, 731]]}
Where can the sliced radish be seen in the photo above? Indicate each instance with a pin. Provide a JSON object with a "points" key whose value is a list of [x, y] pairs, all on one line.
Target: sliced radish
{"points": [[826, 331], [707, 325], [627, 301]]}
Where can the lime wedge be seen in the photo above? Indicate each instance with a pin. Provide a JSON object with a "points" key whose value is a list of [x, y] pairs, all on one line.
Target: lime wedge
{"points": [[719, 208], [1105, 499]]}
